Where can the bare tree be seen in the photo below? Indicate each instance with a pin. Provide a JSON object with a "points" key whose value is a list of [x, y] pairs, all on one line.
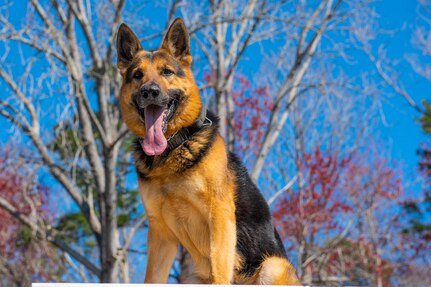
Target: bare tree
{"points": [[421, 41], [222, 40], [326, 129], [74, 42]]}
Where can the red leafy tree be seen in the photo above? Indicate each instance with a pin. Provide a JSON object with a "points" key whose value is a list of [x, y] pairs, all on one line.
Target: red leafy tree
{"points": [[251, 116], [331, 218], [252, 111], [374, 187], [23, 257]]}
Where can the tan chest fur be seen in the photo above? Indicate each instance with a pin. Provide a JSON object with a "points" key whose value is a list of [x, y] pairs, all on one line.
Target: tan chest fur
{"points": [[179, 209]]}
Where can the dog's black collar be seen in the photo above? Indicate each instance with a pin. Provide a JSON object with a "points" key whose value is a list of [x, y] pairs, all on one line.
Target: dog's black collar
{"points": [[186, 133]]}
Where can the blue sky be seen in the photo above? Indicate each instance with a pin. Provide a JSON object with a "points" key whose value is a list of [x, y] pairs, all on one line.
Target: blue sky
{"points": [[403, 132]]}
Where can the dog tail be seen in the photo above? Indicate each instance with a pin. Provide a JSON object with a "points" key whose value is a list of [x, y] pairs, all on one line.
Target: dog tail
{"points": [[277, 271]]}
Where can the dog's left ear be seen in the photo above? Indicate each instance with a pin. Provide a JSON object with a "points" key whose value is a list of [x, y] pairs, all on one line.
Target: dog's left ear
{"points": [[177, 41]]}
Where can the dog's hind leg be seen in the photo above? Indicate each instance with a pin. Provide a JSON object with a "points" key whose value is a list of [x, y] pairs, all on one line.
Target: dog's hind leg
{"points": [[277, 271]]}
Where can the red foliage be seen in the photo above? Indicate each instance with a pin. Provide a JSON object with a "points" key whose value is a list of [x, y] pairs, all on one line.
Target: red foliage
{"points": [[362, 256], [18, 189], [252, 109], [251, 115], [331, 189], [316, 205], [372, 180], [26, 254], [209, 77]]}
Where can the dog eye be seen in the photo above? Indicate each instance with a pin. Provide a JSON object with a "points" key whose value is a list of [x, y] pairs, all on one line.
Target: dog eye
{"points": [[138, 75], [167, 72]]}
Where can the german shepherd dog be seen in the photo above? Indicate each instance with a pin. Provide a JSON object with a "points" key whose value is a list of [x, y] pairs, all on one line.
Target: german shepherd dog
{"points": [[195, 193]]}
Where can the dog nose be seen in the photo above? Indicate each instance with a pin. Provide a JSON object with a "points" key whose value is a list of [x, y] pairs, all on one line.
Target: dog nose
{"points": [[150, 90]]}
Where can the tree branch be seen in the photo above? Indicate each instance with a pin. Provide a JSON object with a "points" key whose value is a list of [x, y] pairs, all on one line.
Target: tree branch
{"points": [[289, 90], [48, 234], [33, 131], [284, 189], [86, 27], [114, 27]]}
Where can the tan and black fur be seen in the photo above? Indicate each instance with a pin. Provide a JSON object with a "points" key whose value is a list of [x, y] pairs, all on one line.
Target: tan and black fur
{"points": [[195, 193]]}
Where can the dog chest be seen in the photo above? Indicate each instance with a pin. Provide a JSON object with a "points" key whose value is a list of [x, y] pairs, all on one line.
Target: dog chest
{"points": [[180, 207]]}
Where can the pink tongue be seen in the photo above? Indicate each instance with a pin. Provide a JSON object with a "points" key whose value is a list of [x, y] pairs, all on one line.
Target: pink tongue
{"points": [[154, 142]]}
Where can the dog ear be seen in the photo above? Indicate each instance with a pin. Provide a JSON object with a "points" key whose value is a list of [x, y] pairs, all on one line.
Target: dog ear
{"points": [[127, 47], [177, 41]]}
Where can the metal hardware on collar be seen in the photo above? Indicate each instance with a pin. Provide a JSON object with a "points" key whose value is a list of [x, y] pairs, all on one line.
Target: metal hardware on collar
{"points": [[202, 118], [210, 122]]}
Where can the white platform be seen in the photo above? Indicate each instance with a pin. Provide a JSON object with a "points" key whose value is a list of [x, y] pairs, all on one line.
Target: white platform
{"points": [[131, 285]]}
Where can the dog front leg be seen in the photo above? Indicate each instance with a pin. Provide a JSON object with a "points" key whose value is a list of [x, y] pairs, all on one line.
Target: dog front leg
{"points": [[223, 243], [161, 254]]}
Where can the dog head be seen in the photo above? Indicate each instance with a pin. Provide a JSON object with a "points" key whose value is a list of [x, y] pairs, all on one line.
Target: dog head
{"points": [[158, 94]]}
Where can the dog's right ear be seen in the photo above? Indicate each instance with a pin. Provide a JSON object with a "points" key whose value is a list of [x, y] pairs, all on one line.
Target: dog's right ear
{"points": [[127, 47]]}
